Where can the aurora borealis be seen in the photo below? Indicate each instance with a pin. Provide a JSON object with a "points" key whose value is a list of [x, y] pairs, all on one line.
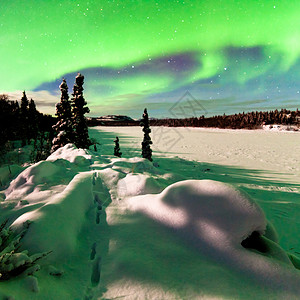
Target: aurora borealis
{"points": [[231, 55]]}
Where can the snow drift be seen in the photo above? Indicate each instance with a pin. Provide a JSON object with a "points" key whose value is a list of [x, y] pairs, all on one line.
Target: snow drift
{"points": [[221, 223]]}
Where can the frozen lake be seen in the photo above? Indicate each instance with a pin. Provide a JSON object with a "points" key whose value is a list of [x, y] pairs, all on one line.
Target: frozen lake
{"points": [[274, 154]]}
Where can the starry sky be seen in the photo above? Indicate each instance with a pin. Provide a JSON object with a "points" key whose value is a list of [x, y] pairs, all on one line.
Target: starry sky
{"points": [[231, 56]]}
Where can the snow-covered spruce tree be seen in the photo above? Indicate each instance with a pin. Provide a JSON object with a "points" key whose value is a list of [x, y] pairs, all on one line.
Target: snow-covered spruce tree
{"points": [[117, 148], [14, 262], [64, 125], [79, 109], [146, 150]]}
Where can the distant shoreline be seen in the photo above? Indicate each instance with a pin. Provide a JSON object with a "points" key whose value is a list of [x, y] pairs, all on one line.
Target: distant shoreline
{"points": [[207, 128], [270, 120]]}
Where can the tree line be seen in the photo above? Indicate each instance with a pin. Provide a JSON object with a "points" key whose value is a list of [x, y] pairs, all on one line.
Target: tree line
{"points": [[250, 120], [23, 122]]}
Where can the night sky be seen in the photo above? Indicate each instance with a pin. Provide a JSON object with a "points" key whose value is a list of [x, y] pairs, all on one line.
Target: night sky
{"points": [[231, 56]]}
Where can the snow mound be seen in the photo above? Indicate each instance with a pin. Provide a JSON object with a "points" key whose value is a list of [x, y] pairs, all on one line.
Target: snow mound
{"points": [[135, 165], [137, 184], [71, 153], [43, 174], [57, 224], [55, 196], [206, 208], [222, 224]]}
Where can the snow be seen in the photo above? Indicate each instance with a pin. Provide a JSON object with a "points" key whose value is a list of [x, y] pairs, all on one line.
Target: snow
{"points": [[124, 227], [270, 153], [64, 210], [215, 219], [203, 205], [8, 172], [68, 152], [279, 127]]}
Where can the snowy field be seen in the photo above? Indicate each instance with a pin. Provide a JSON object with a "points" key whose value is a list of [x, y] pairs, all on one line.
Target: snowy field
{"points": [[215, 217], [269, 152]]}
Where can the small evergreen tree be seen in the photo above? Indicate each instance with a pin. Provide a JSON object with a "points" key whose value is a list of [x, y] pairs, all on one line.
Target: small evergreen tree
{"points": [[64, 126], [79, 109], [117, 148], [146, 149]]}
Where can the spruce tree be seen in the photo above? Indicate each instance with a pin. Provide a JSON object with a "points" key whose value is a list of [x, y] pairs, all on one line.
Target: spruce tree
{"points": [[32, 120], [4, 119], [24, 119], [79, 109], [24, 104], [146, 150], [117, 148], [64, 126]]}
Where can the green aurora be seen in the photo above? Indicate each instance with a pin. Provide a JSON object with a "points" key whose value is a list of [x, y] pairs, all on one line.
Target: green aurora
{"points": [[242, 54]]}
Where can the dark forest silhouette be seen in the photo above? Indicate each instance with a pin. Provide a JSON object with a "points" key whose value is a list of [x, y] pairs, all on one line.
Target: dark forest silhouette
{"points": [[23, 122]]}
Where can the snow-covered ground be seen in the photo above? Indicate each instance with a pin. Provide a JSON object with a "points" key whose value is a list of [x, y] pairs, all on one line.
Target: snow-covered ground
{"points": [[215, 217], [272, 154]]}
